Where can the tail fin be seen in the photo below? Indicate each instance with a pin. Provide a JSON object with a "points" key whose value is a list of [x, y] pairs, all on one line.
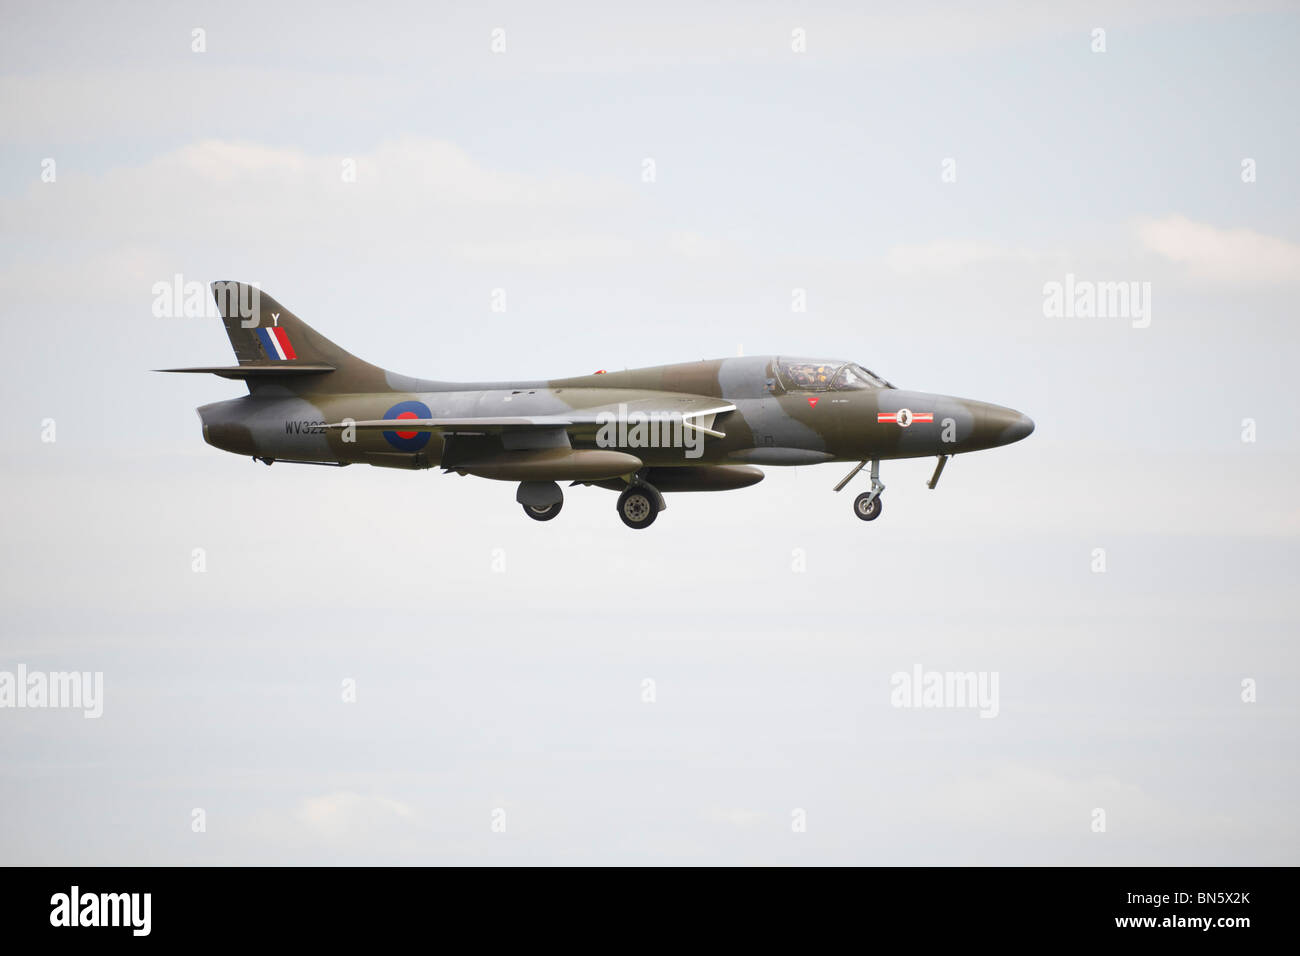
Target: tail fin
{"points": [[274, 346]]}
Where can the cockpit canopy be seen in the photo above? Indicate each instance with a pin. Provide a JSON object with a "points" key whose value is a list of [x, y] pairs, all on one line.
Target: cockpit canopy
{"points": [[815, 375]]}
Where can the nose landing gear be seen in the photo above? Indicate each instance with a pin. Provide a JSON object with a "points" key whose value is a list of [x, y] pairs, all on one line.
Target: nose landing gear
{"points": [[867, 505]]}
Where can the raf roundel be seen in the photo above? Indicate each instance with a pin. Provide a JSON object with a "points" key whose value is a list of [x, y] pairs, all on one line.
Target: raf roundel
{"points": [[407, 440]]}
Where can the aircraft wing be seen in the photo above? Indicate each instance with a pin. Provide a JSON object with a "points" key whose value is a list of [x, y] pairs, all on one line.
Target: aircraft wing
{"points": [[696, 411], [485, 424]]}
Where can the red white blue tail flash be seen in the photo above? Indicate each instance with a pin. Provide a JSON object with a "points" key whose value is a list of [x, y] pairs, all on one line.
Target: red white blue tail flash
{"points": [[275, 342]]}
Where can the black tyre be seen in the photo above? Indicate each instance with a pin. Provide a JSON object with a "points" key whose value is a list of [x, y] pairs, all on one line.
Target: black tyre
{"points": [[544, 512], [866, 507], [638, 508]]}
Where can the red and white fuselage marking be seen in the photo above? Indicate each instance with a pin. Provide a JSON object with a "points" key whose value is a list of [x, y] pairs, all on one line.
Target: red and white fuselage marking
{"points": [[904, 417]]}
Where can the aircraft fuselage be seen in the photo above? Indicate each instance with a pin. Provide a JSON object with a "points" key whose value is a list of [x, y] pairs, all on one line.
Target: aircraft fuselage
{"points": [[771, 424]]}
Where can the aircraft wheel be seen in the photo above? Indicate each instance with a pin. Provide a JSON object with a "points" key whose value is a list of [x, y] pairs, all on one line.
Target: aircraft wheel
{"points": [[637, 508], [543, 512], [867, 510]]}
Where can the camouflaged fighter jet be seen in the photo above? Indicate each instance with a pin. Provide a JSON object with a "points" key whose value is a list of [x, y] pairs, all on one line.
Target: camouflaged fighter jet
{"points": [[701, 426]]}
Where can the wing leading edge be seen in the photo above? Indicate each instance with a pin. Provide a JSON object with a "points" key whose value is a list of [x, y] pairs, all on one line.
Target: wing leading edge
{"points": [[696, 411]]}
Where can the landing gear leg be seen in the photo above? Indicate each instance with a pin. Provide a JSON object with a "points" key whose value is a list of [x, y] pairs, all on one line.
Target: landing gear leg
{"points": [[938, 470]]}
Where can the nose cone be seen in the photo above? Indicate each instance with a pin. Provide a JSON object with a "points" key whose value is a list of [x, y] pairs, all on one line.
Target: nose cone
{"points": [[1022, 427], [1005, 425]]}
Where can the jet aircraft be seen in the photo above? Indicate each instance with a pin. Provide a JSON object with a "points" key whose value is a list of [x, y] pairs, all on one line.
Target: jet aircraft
{"points": [[698, 426]]}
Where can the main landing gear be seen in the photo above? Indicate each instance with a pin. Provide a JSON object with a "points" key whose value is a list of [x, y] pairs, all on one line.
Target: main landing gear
{"points": [[541, 500], [543, 512], [639, 506], [867, 505]]}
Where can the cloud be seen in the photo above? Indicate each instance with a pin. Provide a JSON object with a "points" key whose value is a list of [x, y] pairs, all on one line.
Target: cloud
{"points": [[577, 249], [121, 274], [557, 251], [950, 255], [1042, 803], [91, 105], [345, 815], [244, 190], [240, 77], [409, 197], [741, 817], [369, 824], [1221, 255]]}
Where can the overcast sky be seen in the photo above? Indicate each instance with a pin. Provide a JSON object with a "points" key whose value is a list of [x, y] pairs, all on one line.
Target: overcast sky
{"points": [[642, 186]]}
